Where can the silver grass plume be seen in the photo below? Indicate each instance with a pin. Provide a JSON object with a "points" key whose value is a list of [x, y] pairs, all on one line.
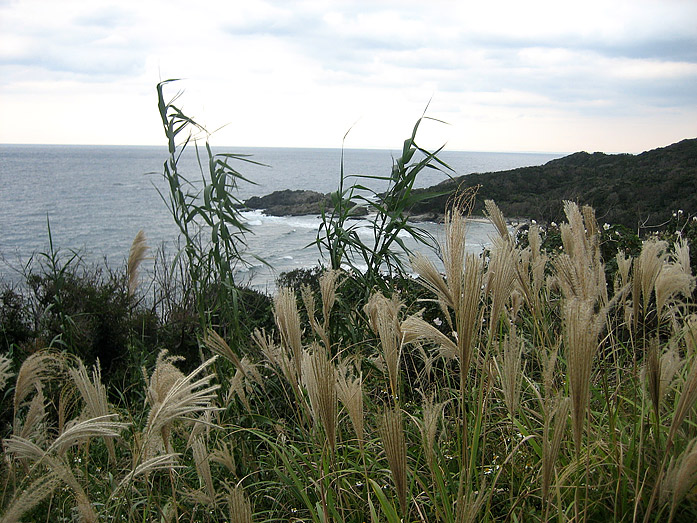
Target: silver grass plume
{"points": [[164, 462], [203, 467], [646, 269], [217, 345], [579, 269], [308, 299], [672, 282], [30, 497], [468, 313], [328, 284], [416, 329], [393, 440], [384, 320], [5, 370], [33, 425], [173, 396], [242, 382], [139, 248], [223, 455], [688, 394], [320, 380], [495, 216], [660, 371], [76, 432], [461, 288], [349, 390], [288, 322], [500, 276], [239, 506], [511, 371], [94, 396], [582, 327], [432, 413], [40, 366], [680, 477], [551, 446]]}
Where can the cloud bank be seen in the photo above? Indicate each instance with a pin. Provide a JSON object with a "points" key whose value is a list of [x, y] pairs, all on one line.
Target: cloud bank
{"points": [[536, 76]]}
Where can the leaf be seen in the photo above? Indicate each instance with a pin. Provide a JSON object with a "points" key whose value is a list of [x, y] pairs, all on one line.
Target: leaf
{"points": [[387, 508]]}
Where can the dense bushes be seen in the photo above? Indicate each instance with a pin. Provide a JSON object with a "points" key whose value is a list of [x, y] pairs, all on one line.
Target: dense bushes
{"points": [[88, 312]]}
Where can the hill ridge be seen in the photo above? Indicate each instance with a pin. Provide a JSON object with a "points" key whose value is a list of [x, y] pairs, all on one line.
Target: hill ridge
{"points": [[638, 191]]}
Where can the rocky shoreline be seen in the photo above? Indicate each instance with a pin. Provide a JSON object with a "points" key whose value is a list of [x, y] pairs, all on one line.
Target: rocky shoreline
{"points": [[304, 202], [296, 203], [633, 190]]}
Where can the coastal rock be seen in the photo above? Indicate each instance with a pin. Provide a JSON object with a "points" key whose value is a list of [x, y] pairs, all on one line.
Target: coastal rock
{"points": [[294, 203], [289, 203]]}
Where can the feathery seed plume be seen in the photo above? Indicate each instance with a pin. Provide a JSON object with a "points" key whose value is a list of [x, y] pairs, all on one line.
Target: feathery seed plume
{"points": [[135, 257], [392, 435]]}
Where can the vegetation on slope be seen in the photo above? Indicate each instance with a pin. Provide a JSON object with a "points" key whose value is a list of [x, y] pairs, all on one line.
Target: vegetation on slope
{"points": [[639, 192]]}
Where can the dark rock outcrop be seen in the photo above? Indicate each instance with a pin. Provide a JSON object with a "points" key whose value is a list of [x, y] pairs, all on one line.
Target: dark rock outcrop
{"points": [[289, 203], [294, 203]]}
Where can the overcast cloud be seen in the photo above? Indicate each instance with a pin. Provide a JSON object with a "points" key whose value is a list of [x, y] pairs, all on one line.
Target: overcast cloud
{"points": [[507, 76]]}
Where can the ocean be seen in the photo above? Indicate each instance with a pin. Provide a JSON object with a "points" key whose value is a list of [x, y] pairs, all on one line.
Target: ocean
{"points": [[96, 198]]}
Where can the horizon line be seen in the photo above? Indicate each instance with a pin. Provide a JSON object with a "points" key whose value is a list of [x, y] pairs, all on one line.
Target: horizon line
{"points": [[446, 150]]}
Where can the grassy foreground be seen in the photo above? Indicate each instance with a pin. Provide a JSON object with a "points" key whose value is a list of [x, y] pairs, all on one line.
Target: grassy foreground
{"points": [[520, 386]]}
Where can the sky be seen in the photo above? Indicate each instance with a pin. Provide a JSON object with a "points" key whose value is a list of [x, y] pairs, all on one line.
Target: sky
{"points": [[537, 76]]}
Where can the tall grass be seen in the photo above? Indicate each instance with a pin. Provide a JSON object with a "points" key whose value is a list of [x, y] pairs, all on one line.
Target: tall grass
{"points": [[516, 385], [207, 213], [541, 393], [338, 236]]}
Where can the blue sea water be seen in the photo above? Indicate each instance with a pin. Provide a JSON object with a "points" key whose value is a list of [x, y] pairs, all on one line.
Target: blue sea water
{"points": [[96, 198]]}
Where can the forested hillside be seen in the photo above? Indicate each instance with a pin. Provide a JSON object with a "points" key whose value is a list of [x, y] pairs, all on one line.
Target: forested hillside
{"points": [[634, 190]]}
